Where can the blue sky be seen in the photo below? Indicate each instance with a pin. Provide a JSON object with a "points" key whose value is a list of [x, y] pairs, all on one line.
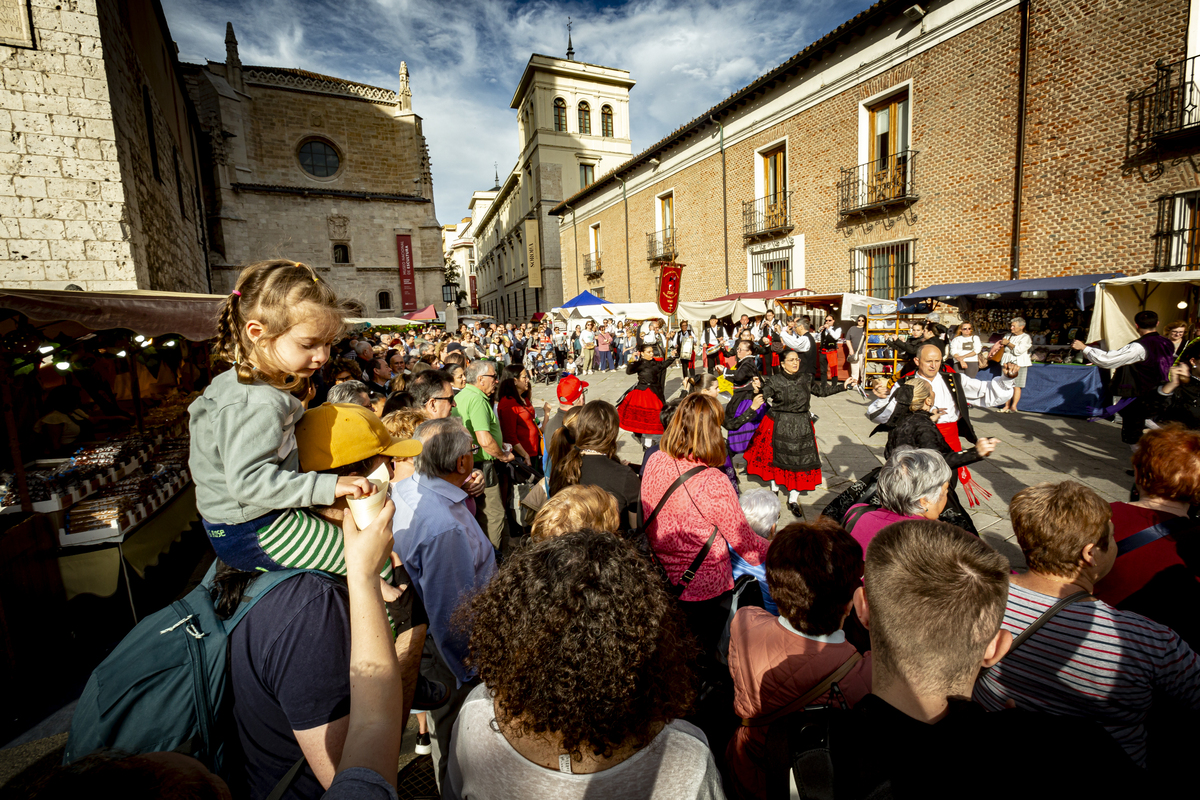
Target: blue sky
{"points": [[465, 58]]}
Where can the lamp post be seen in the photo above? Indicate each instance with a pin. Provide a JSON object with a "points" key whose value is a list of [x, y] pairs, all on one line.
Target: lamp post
{"points": [[450, 298]]}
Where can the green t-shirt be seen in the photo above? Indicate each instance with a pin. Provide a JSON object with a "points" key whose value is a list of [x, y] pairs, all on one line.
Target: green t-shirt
{"points": [[475, 409]]}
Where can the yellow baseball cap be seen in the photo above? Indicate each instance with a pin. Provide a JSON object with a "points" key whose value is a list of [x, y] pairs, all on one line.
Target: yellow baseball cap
{"points": [[334, 435]]}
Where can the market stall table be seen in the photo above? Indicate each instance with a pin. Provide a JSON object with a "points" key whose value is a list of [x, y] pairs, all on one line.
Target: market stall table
{"points": [[1071, 390]]}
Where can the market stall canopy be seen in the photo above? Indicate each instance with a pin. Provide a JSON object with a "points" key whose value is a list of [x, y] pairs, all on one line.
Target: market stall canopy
{"points": [[426, 313], [1117, 300], [361, 323], [765, 296], [193, 316], [584, 298], [1081, 287], [847, 304], [701, 310]]}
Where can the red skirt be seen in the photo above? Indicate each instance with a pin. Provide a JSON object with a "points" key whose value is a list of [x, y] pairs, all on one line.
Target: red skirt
{"points": [[949, 431], [639, 412], [774, 359], [760, 455]]}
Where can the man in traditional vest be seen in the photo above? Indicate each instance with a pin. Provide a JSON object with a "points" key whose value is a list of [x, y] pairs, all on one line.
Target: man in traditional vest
{"points": [[1142, 366]]}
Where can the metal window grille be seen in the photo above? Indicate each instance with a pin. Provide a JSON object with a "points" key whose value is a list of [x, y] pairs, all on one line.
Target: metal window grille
{"points": [[766, 214], [875, 184], [661, 245], [771, 270], [886, 271], [1177, 233]]}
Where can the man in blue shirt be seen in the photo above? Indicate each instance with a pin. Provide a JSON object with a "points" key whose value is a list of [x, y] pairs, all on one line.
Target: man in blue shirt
{"points": [[446, 554]]}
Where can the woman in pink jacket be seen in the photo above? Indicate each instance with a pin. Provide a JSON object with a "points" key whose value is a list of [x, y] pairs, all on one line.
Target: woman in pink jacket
{"points": [[706, 502]]}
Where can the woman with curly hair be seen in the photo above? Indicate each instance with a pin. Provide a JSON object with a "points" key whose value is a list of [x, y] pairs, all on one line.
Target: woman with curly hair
{"points": [[583, 660]]}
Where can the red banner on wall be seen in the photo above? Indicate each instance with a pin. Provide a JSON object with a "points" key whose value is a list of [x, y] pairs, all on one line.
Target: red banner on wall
{"points": [[408, 280], [668, 287], [474, 296]]}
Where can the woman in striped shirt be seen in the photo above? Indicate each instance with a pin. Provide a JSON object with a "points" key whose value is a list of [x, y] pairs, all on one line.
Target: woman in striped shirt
{"points": [[1089, 660]]}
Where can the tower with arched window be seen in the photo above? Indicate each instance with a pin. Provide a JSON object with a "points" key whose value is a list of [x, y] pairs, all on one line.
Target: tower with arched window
{"points": [[573, 127]]}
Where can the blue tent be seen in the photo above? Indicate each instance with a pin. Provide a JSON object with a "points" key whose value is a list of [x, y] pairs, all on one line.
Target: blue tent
{"points": [[1081, 287], [584, 298]]}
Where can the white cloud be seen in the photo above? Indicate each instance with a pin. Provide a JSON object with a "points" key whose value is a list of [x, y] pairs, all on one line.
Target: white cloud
{"points": [[465, 58]]}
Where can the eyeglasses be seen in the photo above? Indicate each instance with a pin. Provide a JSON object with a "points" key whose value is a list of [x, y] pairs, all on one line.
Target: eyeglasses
{"points": [[475, 448], [449, 399]]}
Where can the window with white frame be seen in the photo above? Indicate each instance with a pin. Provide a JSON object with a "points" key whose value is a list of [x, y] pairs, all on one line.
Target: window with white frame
{"points": [[886, 271], [591, 262]]}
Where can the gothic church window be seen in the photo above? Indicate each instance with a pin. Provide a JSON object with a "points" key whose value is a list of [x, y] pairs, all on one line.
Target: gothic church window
{"points": [[319, 159], [385, 301], [606, 121], [585, 117], [560, 114]]}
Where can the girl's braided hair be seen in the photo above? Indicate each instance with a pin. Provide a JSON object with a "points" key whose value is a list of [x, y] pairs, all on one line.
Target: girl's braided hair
{"points": [[279, 294]]}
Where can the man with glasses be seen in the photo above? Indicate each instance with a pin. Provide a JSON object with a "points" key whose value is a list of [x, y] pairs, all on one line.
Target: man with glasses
{"points": [[473, 405]]}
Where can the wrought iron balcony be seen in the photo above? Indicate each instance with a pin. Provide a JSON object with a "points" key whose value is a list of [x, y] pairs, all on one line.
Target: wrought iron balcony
{"points": [[1170, 107], [878, 184], [592, 265], [661, 245], [767, 216]]}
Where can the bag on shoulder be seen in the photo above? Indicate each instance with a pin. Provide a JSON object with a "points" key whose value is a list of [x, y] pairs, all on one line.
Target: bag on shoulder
{"points": [[641, 539], [166, 685]]}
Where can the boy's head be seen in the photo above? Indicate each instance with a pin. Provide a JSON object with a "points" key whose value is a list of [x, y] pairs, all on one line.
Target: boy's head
{"points": [[933, 597]]}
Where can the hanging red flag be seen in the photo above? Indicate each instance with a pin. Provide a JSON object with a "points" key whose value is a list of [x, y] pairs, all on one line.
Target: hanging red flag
{"points": [[668, 287]]}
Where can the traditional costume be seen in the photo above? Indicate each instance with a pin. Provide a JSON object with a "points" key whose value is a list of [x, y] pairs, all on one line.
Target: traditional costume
{"points": [[640, 406], [772, 346], [954, 392], [784, 448], [1142, 366], [828, 362], [743, 395]]}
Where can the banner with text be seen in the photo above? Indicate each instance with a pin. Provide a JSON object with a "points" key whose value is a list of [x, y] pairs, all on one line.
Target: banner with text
{"points": [[408, 280], [668, 287], [533, 253], [474, 296]]}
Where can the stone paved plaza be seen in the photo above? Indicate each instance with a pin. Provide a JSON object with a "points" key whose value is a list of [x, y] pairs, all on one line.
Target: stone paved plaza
{"points": [[1033, 448]]}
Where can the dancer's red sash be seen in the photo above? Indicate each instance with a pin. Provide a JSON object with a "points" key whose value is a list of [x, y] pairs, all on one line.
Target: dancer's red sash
{"points": [[949, 431]]}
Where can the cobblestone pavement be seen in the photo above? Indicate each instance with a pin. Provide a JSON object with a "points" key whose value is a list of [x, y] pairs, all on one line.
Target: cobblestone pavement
{"points": [[1033, 448]]}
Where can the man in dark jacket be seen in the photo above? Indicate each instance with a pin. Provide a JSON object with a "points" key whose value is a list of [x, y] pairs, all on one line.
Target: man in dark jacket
{"points": [[1142, 366]]}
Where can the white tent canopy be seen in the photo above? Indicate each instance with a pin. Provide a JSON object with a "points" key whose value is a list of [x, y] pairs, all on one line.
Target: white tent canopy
{"points": [[701, 310], [1117, 300], [617, 311]]}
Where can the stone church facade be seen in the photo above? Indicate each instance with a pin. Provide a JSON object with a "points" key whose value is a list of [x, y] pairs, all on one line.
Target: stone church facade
{"points": [[321, 170], [98, 160]]}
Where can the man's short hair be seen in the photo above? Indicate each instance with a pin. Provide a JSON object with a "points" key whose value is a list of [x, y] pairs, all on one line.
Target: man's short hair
{"points": [[749, 345], [427, 385], [1055, 521], [908, 476], [804, 323], [355, 392], [761, 507], [936, 596], [813, 569], [1166, 463], [1146, 320], [479, 367], [444, 442]]}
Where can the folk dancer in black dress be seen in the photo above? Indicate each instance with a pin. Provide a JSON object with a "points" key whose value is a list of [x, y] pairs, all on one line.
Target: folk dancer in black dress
{"points": [[919, 429], [953, 392], [784, 448], [640, 406], [744, 392]]}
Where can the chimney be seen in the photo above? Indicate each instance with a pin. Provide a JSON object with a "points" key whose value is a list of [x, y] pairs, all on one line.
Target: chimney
{"points": [[233, 64]]}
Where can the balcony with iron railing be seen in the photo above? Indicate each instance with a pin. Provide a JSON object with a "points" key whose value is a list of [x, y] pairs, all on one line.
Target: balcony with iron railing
{"points": [[767, 216], [592, 265], [661, 245], [878, 184], [1170, 107]]}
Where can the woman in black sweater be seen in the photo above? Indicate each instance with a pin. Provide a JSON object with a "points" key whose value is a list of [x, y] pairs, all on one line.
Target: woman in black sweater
{"points": [[639, 407]]}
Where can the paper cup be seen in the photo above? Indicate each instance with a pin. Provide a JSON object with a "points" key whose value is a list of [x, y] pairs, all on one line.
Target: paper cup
{"points": [[366, 509]]}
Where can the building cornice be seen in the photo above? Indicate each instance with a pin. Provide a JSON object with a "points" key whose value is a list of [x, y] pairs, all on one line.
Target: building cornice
{"points": [[307, 191], [314, 83]]}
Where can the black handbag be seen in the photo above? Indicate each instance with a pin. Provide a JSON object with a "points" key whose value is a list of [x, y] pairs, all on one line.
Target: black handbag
{"points": [[642, 540]]}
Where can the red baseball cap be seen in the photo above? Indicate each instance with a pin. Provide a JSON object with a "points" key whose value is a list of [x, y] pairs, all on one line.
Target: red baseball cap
{"points": [[570, 389]]}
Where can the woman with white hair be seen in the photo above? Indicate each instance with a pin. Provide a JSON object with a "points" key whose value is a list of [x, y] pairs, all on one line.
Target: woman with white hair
{"points": [[913, 484], [1016, 351]]}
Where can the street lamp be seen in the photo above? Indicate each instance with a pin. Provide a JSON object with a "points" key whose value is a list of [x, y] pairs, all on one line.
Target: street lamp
{"points": [[450, 293]]}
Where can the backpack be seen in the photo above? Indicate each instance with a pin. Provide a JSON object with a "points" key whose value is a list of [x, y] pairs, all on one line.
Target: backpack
{"points": [[166, 685]]}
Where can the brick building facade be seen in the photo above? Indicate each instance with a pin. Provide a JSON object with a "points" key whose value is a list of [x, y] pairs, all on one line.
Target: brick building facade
{"points": [[321, 170], [884, 157], [98, 162]]}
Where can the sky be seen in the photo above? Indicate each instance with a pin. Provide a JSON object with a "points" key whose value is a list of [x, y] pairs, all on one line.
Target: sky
{"points": [[465, 58]]}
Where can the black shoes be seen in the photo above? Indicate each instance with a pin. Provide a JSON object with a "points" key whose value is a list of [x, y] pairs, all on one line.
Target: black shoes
{"points": [[424, 746], [794, 507]]}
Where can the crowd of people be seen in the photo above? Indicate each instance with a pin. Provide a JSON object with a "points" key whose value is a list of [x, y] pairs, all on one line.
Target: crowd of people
{"points": [[649, 630]]}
